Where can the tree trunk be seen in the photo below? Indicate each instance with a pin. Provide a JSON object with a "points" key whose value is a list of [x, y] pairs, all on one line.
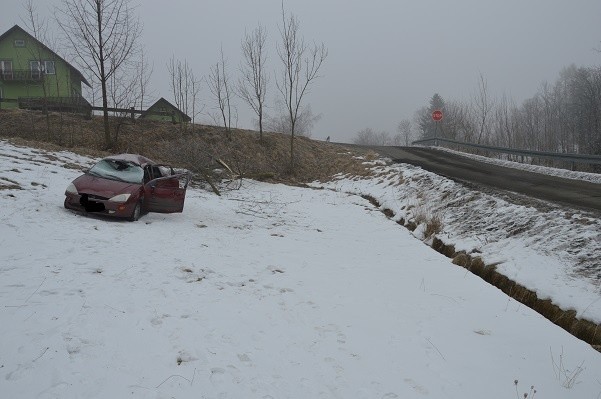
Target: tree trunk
{"points": [[107, 131]]}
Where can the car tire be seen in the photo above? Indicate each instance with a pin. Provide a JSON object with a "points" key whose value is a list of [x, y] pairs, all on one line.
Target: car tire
{"points": [[137, 212], [143, 210]]}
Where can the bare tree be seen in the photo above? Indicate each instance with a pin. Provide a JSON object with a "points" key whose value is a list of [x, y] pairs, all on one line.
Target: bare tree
{"points": [[280, 122], [405, 131], [586, 97], [122, 94], [482, 107], [39, 29], [219, 85], [143, 75], [383, 138], [560, 117], [37, 25], [504, 122], [103, 35], [128, 87], [397, 140], [252, 86], [185, 87], [458, 123], [368, 136], [365, 137], [301, 66]]}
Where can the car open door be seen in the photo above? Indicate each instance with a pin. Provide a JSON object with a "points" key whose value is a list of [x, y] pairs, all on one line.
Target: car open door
{"points": [[167, 194]]}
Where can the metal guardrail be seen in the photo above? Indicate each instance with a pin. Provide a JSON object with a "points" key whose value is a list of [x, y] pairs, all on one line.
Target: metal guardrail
{"points": [[567, 157]]}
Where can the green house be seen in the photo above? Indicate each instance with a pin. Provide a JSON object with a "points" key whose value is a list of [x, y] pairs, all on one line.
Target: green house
{"points": [[34, 76], [163, 110]]}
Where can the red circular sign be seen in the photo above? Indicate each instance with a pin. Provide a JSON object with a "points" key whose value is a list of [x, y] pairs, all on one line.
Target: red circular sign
{"points": [[437, 115]]}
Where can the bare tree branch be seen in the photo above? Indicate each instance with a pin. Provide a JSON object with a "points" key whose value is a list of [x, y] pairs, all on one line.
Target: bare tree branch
{"points": [[103, 35], [252, 86], [219, 85], [184, 87], [301, 66]]}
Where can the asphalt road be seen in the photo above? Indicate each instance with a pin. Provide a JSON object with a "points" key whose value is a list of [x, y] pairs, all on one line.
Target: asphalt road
{"points": [[571, 193]]}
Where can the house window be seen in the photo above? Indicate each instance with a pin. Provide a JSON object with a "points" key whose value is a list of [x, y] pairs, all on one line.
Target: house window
{"points": [[36, 69], [41, 67], [19, 43], [6, 70], [49, 68]]}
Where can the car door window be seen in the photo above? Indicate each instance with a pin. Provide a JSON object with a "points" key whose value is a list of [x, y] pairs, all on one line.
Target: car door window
{"points": [[156, 172], [147, 174]]}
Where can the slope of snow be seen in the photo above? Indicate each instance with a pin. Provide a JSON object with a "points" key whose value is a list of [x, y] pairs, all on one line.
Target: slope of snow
{"points": [[548, 249], [266, 292]]}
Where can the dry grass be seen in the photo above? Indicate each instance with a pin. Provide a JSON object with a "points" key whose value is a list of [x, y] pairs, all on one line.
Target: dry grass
{"points": [[432, 220], [195, 148]]}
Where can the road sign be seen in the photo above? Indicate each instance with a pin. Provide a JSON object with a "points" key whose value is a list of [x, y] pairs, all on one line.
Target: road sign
{"points": [[437, 115]]}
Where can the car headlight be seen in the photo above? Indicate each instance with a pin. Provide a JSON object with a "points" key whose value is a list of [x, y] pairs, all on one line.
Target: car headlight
{"points": [[120, 198], [71, 189]]}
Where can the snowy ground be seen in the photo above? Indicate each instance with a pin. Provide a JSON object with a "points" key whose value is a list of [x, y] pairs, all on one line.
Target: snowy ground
{"points": [[266, 292], [547, 248]]}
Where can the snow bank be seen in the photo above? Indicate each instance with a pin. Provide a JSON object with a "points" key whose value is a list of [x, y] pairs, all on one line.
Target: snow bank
{"points": [[553, 251]]}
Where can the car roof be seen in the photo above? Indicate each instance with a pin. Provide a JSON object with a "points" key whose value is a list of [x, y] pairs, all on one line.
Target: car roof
{"points": [[134, 158]]}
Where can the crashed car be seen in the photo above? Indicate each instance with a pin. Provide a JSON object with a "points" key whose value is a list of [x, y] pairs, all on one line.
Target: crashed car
{"points": [[128, 186]]}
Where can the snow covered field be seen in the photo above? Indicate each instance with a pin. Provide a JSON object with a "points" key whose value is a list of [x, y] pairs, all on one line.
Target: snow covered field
{"points": [[266, 292]]}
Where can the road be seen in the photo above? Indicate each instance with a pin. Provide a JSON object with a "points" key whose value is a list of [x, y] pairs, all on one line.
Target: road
{"points": [[571, 193]]}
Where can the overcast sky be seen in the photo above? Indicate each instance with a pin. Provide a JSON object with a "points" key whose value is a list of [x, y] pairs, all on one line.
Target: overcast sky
{"points": [[386, 57]]}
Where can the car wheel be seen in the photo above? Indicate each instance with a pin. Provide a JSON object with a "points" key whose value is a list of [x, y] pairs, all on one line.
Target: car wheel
{"points": [[143, 210], [135, 215]]}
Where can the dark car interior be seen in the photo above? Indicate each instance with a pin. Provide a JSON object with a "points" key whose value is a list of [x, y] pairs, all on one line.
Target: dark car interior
{"points": [[152, 172]]}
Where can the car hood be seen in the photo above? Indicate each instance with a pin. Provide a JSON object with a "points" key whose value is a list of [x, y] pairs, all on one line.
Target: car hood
{"points": [[106, 188]]}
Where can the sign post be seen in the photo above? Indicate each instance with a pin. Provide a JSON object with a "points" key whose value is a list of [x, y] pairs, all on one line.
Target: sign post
{"points": [[436, 117]]}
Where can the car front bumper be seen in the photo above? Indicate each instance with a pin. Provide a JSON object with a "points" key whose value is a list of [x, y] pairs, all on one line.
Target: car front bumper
{"points": [[88, 204]]}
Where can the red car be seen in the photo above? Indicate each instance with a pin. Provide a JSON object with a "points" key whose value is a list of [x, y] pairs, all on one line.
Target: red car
{"points": [[127, 186]]}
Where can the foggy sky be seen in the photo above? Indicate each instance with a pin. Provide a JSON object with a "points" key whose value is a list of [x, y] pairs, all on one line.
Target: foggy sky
{"points": [[386, 57]]}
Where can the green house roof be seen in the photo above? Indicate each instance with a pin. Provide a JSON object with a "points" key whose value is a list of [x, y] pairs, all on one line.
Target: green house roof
{"points": [[74, 70]]}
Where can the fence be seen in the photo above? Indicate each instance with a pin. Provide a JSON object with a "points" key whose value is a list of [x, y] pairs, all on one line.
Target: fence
{"points": [[132, 112], [561, 157], [45, 104], [78, 105]]}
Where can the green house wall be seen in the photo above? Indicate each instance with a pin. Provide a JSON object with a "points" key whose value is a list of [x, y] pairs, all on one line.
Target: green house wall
{"points": [[174, 114], [65, 82]]}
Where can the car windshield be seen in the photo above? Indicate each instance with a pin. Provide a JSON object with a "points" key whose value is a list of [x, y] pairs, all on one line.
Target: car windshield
{"points": [[116, 169]]}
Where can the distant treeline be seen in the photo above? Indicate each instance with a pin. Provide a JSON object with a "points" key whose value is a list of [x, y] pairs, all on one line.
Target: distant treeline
{"points": [[563, 117]]}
